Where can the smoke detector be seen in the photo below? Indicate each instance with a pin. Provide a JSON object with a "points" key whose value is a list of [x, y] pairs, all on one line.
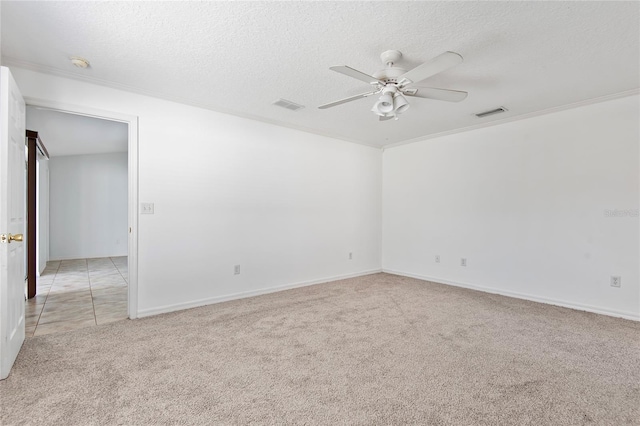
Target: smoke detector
{"points": [[79, 62]]}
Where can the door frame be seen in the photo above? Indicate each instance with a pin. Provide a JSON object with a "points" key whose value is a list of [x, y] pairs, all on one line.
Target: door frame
{"points": [[132, 121]]}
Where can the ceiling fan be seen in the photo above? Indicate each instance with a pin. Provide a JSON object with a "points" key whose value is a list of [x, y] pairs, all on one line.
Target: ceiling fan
{"points": [[394, 83]]}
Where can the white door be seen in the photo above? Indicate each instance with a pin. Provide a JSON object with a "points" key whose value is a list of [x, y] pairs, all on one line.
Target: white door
{"points": [[12, 220]]}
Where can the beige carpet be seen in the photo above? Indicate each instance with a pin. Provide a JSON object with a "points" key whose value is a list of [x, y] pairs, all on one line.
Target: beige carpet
{"points": [[378, 350]]}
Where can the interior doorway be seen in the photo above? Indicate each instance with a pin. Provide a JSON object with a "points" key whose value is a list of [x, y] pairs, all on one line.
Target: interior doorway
{"points": [[87, 215]]}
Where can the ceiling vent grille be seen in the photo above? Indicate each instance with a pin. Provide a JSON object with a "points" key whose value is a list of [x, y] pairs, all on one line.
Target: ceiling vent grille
{"points": [[493, 111], [288, 104]]}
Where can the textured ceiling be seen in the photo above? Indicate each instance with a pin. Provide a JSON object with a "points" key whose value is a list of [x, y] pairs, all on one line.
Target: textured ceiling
{"points": [[71, 134], [239, 57]]}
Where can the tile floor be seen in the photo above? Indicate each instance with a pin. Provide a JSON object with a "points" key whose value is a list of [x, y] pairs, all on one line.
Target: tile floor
{"points": [[78, 293]]}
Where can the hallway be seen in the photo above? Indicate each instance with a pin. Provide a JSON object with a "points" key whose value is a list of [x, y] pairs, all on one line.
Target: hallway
{"points": [[78, 293]]}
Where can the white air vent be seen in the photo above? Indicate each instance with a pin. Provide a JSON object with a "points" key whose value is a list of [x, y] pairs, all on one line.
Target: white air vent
{"points": [[288, 104], [493, 111]]}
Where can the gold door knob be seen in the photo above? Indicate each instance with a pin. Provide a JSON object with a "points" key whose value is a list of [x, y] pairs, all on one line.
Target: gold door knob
{"points": [[7, 238]]}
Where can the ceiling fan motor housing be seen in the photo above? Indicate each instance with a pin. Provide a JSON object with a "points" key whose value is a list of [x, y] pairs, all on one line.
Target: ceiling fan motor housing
{"points": [[389, 75]]}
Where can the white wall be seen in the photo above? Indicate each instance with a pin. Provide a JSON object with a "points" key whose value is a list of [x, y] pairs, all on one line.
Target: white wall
{"points": [[42, 214], [525, 203], [0, 34], [88, 206], [286, 205]]}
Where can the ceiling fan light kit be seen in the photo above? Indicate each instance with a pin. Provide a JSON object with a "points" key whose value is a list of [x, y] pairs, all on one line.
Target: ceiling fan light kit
{"points": [[400, 104], [394, 83], [385, 102], [390, 104]]}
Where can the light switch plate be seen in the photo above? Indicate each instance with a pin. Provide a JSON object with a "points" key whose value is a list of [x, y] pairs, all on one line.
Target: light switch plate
{"points": [[146, 208]]}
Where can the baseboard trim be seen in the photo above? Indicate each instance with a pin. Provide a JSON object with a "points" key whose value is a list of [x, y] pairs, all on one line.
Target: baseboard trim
{"points": [[587, 308], [58, 259], [244, 294]]}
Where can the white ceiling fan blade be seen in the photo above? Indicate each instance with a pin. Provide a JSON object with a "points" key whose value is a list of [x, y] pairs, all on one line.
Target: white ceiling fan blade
{"points": [[343, 69], [345, 100], [385, 117], [432, 67], [439, 94]]}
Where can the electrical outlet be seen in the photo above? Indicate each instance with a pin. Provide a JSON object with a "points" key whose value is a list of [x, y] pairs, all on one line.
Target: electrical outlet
{"points": [[463, 261], [236, 270], [437, 258], [350, 256], [616, 281]]}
